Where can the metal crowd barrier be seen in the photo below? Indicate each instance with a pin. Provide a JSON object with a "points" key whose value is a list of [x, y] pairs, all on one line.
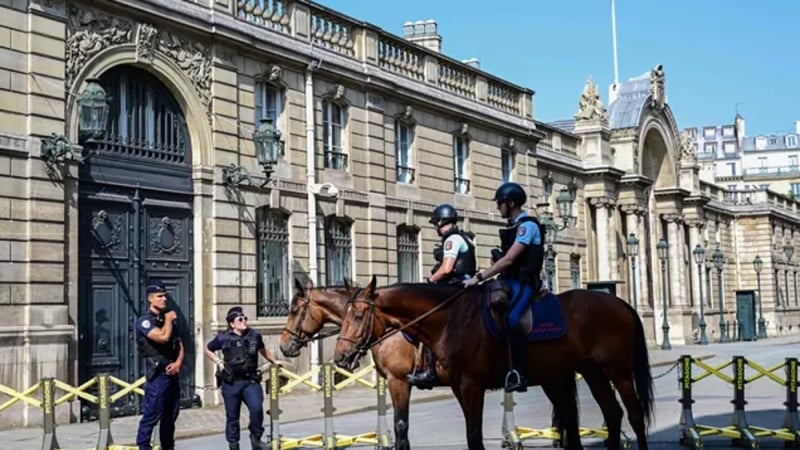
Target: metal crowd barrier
{"points": [[328, 439], [741, 433], [514, 436]]}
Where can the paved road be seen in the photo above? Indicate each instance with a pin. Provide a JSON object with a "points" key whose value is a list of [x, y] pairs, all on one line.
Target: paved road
{"points": [[439, 425]]}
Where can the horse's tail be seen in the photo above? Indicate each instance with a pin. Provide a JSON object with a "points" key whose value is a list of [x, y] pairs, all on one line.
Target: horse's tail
{"points": [[641, 371]]}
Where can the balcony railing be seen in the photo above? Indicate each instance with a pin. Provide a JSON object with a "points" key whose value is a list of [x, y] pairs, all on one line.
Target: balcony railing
{"points": [[461, 185], [326, 28], [772, 172], [405, 174], [335, 160]]}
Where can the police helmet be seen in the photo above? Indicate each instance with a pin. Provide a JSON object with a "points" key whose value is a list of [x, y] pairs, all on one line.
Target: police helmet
{"points": [[443, 214], [510, 192]]}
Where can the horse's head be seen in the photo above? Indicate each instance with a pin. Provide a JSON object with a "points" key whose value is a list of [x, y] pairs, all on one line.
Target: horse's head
{"points": [[310, 310], [358, 327]]}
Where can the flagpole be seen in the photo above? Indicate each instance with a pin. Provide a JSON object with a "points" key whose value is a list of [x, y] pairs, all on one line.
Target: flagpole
{"points": [[614, 39]]}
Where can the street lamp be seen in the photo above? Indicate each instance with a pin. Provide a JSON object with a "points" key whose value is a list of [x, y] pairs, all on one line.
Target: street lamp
{"points": [[719, 261], [663, 254], [564, 205], [699, 258], [267, 141], [758, 264], [633, 251]]}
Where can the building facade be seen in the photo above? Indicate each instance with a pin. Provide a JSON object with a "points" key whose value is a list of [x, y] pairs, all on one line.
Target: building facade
{"points": [[375, 131]]}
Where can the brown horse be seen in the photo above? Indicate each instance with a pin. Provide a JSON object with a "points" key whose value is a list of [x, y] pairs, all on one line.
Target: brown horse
{"points": [[604, 342], [394, 358]]}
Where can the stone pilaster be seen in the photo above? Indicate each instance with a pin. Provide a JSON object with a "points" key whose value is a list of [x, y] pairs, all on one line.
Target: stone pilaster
{"points": [[604, 257]]}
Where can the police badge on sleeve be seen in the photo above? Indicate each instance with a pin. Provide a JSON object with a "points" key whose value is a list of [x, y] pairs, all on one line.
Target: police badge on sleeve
{"points": [[448, 245]]}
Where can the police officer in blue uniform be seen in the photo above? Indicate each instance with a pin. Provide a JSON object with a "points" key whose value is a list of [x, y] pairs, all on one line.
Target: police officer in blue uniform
{"points": [[241, 377], [455, 262], [162, 349], [519, 264]]}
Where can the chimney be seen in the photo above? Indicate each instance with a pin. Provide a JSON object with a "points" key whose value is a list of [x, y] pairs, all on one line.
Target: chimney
{"points": [[797, 126], [425, 34], [738, 124], [476, 63]]}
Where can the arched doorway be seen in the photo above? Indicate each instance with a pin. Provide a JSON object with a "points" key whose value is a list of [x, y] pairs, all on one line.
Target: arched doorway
{"points": [[135, 225]]}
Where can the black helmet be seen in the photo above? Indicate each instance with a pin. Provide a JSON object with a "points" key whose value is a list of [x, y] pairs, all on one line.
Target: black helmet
{"points": [[444, 213], [510, 192]]}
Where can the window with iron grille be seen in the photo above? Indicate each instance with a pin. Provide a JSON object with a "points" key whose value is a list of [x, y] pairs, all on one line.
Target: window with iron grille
{"points": [[508, 162], [333, 123], [575, 270], [407, 254], [272, 265], [461, 158], [338, 250], [404, 135]]}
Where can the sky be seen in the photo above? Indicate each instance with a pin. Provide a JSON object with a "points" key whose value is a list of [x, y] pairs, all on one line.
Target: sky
{"points": [[718, 55]]}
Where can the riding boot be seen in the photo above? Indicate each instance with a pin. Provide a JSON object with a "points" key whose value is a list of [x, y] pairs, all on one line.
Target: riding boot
{"points": [[233, 446], [515, 379], [256, 443], [426, 379]]}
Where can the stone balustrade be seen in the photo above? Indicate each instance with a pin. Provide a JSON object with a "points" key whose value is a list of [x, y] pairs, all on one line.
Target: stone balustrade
{"points": [[354, 39]]}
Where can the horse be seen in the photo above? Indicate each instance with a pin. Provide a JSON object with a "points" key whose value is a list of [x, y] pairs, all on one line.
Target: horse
{"points": [[604, 341], [394, 358]]}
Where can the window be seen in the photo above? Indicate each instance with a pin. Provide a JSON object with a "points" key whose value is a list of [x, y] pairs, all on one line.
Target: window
{"points": [[761, 143], [508, 163], [692, 133], [732, 167], [710, 147], [795, 188], [272, 265], [793, 160], [338, 250], [333, 120], [709, 132], [404, 135], [269, 102], [727, 131], [763, 187], [729, 147], [791, 141], [407, 254], [461, 157], [575, 270], [762, 161]]}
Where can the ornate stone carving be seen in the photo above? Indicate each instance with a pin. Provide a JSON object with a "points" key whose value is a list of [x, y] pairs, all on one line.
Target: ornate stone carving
{"points": [[89, 32], [590, 106], [673, 218], [339, 92], [635, 209], [698, 223], [657, 93], [106, 231], [408, 113], [145, 41], [275, 73], [463, 128], [687, 149], [166, 237], [603, 202], [193, 58]]}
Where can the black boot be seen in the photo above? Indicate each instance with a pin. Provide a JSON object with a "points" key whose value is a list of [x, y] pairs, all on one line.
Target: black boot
{"points": [[515, 379], [233, 446], [256, 443], [426, 379]]}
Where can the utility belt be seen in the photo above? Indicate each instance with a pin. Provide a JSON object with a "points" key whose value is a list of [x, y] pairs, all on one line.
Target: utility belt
{"points": [[228, 375], [156, 369]]}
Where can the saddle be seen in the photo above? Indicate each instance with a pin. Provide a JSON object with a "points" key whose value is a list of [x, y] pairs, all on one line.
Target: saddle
{"points": [[542, 320]]}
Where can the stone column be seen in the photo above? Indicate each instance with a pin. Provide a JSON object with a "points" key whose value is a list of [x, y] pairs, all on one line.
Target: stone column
{"points": [[675, 264], [644, 276], [631, 212], [601, 205], [695, 238]]}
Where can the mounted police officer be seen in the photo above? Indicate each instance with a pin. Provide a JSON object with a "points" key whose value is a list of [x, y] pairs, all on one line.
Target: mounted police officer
{"points": [[240, 375], [162, 348], [519, 264], [455, 262]]}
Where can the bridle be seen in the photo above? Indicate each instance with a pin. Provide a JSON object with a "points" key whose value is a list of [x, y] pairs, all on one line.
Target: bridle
{"points": [[298, 334]]}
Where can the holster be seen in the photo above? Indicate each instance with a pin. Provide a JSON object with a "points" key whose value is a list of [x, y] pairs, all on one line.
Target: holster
{"points": [[256, 377], [156, 369]]}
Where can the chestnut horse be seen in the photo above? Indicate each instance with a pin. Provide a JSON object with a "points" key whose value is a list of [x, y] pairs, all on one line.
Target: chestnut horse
{"points": [[604, 342], [394, 358]]}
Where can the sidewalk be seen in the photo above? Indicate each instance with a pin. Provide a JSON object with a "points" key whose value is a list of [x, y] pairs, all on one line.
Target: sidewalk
{"points": [[305, 405]]}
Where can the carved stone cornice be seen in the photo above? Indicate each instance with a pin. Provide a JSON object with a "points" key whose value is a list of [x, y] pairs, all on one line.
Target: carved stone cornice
{"points": [[603, 202], [635, 209], [673, 218], [696, 223]]}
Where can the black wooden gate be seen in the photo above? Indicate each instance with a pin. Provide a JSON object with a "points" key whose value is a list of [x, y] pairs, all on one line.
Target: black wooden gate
{"points": [[135, 221]]}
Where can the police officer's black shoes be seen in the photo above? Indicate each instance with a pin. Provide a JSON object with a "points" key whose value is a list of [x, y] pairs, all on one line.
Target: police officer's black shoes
{"points": [[233, 446], [426, 379], [256, 443]]}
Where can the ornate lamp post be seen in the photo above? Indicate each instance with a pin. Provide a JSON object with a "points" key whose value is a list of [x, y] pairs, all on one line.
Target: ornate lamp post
{"points": [[564, 204], [699, 258], [633, 251], [267, 140], [663, 255], [719, 261], [758, 264]]}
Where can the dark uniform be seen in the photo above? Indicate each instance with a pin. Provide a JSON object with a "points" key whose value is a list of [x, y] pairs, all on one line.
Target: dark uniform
{"points": [[241, 380], [523, 277], [161, 391]]}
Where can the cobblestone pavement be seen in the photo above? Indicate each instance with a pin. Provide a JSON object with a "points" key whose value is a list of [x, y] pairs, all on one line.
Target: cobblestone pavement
{"points": [[306, 405]]}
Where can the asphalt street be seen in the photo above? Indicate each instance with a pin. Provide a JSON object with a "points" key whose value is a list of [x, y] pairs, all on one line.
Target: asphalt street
{"points": [[439, 424]]}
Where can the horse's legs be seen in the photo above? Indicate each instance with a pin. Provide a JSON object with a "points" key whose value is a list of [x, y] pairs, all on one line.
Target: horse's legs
{"points": [[400, 391], [565, 411], [626, 389], [600, 386], [470, 397]]}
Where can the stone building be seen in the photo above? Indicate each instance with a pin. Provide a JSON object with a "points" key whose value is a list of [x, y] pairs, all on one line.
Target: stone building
{"points": [[375, 130]]}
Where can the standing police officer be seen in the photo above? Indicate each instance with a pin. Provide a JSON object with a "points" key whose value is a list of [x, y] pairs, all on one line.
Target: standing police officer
{"points": [[455, 262], [241, 378], [519, 265], [162, 348]]}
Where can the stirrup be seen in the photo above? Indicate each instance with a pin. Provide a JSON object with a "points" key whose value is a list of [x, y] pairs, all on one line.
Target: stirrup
{"points": [[517, 385]]}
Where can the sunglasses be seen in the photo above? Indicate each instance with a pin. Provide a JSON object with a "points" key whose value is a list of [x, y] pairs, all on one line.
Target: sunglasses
{"points": [[241, 319]]}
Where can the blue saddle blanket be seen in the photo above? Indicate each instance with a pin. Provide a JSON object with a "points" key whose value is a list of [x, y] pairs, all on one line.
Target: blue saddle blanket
{"points": [[547, 318]]}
